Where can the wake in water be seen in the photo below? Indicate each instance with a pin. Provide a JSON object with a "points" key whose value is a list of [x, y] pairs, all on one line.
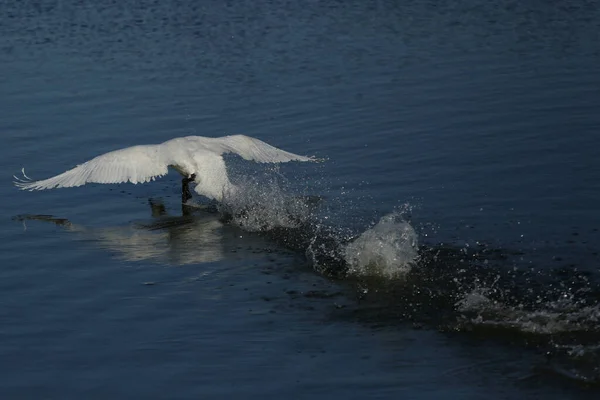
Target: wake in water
{"points": [[475, 290], [479, 290]]}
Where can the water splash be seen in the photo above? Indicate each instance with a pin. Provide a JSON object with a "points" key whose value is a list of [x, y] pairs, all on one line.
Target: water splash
{"points": [[265, 205], [389, 249], [262, 206]]}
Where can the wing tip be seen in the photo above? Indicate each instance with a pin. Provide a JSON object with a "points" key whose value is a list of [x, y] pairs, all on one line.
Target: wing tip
{"points": [[30, 186], [24, 183]]}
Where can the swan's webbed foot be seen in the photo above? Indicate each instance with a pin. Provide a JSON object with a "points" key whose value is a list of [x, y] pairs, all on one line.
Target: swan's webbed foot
{"points": [[185, 189]]}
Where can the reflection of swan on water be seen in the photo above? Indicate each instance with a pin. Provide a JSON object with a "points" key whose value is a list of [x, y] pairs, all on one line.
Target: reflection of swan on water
{"points": [[192, 238], [199, 159], [388, 249]]}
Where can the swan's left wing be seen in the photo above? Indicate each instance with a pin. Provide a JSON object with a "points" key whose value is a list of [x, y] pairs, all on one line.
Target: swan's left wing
{"points": [[253, 149], [137, 164]]}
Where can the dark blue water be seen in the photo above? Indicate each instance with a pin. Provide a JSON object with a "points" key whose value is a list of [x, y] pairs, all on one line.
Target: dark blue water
{"points": [[476, 121]]}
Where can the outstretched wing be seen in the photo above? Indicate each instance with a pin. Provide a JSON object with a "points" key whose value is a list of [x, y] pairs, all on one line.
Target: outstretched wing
{"points": [[136, 164], [253, 149]]}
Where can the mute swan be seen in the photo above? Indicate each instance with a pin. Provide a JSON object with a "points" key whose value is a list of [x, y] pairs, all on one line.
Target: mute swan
{"points": [[199, 159]]}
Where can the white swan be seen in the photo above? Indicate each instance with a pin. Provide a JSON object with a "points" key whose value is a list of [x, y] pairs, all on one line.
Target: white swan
{"points": [[199, 159]]}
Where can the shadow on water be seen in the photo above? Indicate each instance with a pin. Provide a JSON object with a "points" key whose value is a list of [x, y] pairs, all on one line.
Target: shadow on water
{"points": [[467, 291]]}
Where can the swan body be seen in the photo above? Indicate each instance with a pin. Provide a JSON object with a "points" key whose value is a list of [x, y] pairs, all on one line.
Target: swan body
{"points": [[199, 159]]}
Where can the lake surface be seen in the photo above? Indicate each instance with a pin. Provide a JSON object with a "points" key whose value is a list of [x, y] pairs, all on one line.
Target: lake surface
{"points": [[454, 253]]}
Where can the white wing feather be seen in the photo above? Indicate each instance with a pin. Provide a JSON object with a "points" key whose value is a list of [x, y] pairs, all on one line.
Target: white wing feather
{"points": [[140, 164], [256, 150], [136, 164]]}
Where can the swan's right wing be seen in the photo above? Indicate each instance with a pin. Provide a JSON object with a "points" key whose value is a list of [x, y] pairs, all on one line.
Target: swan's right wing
{"points": [[253, 149], [138, 164]]}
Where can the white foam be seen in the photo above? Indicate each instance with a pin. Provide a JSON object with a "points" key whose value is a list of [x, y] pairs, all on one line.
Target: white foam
{"points": [[551, 317]]}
